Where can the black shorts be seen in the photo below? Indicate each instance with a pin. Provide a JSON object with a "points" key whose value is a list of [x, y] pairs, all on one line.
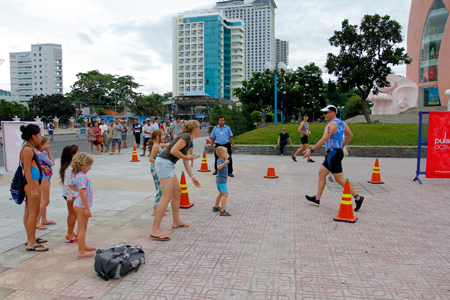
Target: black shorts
{"points": [[146, 141], [333, 161], [137, 137], [304, 140]]}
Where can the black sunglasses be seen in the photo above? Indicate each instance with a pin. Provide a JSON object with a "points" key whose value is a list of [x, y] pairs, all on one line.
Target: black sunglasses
{"points": [[326, 112]]}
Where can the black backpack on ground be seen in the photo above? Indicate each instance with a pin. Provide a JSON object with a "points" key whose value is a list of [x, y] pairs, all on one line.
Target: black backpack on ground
{"points": [[118, 260]]}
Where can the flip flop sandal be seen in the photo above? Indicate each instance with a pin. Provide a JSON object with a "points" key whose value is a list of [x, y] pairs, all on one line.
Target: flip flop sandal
{"points": [[39, 241], [37, 247], [216, 209], [224, 214], [181, 226], [42, 227], [91, 254], [50, 223], [91, 249], [160, 238]]}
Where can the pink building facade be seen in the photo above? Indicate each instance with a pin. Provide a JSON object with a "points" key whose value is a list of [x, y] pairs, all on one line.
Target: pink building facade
{"points": [[429, 47]]}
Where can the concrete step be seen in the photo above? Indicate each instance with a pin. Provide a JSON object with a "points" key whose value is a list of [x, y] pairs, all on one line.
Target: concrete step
{"points": [[410, 116]]}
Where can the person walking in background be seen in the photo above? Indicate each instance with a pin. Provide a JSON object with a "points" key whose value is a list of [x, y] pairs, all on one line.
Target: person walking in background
{"points": [[124, 134], [81, 164], [97, 133], [117, 137], [29, 161], [333, 139], [50, 128], [104, 129], [263, 115], [282, 140], [47, 162], [66, 174], [110, 135], [147, 133], [167, 132], [305, 132], [175, 128], [222, 135], [170, 187], [137, 129]]}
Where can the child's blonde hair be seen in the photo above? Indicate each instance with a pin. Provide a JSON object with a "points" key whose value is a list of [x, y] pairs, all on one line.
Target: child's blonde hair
{"points": [[220, 150], [80, 161], [43, 141], [155, 133]]}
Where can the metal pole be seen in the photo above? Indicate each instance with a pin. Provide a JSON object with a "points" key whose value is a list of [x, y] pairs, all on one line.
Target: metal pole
{"points": [[276, 92]]}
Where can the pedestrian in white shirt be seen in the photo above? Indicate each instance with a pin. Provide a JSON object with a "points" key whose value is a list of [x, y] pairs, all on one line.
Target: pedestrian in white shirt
{"points": [[104, 132], [147, 133]]}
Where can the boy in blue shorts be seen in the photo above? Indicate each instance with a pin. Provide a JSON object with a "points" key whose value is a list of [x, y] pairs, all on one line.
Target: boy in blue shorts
{"points": [[221, 180]]}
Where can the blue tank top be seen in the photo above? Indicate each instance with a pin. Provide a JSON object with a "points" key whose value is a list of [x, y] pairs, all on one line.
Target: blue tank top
{"points": [[335, 141]]}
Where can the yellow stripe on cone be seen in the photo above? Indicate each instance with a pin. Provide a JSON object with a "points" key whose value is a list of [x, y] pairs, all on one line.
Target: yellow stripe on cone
{"points": [[346, 210]]}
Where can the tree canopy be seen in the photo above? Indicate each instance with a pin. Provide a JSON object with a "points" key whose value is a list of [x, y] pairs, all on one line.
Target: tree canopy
{"points": [[298, 92], [100, 91], [50, 106], [148, 105], [9, 110], [366, 54]]}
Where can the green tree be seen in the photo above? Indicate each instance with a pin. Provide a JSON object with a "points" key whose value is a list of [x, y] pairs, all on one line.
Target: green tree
{"points": [[239, 120], [9, 110], [100, 91], [188, 107], [298, 92], [209, 107], [148, 105], [50, 106], [366, 54]]}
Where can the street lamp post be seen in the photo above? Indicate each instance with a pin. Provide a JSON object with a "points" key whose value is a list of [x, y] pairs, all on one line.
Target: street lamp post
{"points": [[115, 95], [281, 66], [340, 111]]}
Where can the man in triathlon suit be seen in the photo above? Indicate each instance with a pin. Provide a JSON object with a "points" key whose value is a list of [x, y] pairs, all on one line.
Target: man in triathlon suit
{"points": [[334, 144]]}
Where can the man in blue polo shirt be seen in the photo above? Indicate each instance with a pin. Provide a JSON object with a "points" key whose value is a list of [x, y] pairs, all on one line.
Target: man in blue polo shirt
{"points": [[221, 135]]}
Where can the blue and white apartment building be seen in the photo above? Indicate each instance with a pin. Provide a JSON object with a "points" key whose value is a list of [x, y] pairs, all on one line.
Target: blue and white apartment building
{"points": [[208, 53]]}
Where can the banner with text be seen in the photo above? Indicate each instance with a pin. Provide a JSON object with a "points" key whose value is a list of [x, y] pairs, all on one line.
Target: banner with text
{"points": [[438, 151]]}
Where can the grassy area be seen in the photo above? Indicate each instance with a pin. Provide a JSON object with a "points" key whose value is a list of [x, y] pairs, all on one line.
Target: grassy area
{"points": [[375, 134]]}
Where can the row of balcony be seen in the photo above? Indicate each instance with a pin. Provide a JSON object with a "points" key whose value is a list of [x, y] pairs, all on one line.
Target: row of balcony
{"points": [[182, 62], [188, 69], [190, 76], [191, 48], [192, 33], [199, 54], [190, 26]]}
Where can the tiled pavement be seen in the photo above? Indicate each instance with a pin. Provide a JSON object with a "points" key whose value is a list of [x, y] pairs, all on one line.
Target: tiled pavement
{"points": [[274, 246]]}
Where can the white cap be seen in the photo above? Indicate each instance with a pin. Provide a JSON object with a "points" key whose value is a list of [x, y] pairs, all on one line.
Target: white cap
{"points": [[329, 108]]}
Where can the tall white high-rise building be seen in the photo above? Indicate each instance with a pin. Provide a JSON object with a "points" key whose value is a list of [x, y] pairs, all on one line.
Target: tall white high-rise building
{"points": [[259, 19], [36, 72], [208, 54], [282, 52]]}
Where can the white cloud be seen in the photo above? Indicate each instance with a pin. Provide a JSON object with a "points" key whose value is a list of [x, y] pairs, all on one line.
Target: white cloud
{"points": [[135, 38]]}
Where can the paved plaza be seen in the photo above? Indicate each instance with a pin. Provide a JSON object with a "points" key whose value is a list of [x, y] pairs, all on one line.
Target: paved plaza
{"points": [[275, 245]]}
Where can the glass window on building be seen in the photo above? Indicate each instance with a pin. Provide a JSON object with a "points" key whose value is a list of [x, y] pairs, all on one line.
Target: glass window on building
{"points": [[431, 41]]}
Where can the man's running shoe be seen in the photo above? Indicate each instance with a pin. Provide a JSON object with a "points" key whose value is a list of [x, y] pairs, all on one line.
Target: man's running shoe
{"points": [[293, 158], [359, 202], [330, 178], [310, 160], [313, 200]]}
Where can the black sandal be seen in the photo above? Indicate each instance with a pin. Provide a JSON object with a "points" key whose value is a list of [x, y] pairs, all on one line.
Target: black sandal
{"points": [[216, 209], [39, 241], [37, 247], [225, 213]]}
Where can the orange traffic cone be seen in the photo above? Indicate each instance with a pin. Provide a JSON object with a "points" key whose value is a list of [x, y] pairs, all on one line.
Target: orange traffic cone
{"points": [[184, 201], [271, 173], [204, 166], [346, 210], [376, 178], [134, 158]]}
